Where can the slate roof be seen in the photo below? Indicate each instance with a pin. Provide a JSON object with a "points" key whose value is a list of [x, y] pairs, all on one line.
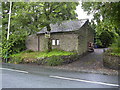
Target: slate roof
{"points": [[65, 26]]}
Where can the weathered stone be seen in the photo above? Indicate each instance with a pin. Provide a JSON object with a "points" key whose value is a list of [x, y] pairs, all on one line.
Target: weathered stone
{"points": [[111, 61], [32, 42], [29, 60], [40, 58]]}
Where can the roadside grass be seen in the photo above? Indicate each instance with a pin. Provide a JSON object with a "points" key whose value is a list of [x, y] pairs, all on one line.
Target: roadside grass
{"points": [[54, 52], [30, 55]]}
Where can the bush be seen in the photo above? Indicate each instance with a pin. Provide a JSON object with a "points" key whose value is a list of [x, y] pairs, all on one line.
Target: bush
{"points": [[106, 38], [115, 47], [15, 44], [54, 61], [16, 59]]}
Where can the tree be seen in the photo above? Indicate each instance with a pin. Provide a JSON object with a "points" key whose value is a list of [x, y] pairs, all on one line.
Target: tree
{"points": [[30, 17], [23, 23], [107, 16], [56, 12]]}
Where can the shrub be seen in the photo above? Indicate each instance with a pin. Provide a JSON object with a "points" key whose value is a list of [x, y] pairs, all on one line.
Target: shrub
{"points": [[115, 47], [15, 44], [106, 38], [16, 59], [54, 61]]}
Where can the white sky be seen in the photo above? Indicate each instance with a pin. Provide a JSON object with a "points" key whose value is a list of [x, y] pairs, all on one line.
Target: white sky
{"points": [[82, 14]]}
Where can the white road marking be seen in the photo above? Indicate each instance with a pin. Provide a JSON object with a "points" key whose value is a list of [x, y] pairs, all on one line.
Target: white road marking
{"points": [[14, 70], [72, 79]]}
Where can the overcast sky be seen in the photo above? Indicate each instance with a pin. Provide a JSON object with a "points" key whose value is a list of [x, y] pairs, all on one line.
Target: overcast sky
{"points": [[82, 14]]}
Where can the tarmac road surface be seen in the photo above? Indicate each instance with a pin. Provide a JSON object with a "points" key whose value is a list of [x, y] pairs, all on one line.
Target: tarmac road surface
{"points": [[22, 76]]}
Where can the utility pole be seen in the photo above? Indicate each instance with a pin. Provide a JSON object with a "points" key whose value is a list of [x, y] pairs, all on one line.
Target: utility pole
{"points": [[9, 21], [8, 33]]}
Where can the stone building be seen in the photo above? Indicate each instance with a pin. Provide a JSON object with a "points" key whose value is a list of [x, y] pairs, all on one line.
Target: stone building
{"points": [[68, 36]]}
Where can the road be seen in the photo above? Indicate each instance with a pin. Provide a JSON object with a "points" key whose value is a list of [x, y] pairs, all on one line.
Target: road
{"points": [[22, 76]]}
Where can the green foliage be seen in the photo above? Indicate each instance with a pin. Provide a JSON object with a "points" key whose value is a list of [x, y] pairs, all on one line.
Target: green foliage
{"points": [[54, 52], [54, 61], [106, 38], [15, 44], [106, 15], [35, 55], [56, 12], [115, 54], [16, 59], [30, 17], [115, 47], [28, 51]]}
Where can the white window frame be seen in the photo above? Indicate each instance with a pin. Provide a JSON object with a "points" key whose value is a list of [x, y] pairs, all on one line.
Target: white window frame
{"points": [[53, 42], [57, 42]]}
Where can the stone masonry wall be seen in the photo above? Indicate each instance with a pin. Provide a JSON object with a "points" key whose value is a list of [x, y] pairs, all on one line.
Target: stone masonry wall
{"points": [[86, 35], [111, 61], [68, 41], [32, 42], [82, 40]]}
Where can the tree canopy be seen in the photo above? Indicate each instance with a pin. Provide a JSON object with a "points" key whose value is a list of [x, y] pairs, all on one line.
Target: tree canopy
{"points": [[30, 17], [107, 17]]}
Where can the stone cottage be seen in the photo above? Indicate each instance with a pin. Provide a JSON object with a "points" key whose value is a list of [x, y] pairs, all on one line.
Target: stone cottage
{"points": [[68, 36]]}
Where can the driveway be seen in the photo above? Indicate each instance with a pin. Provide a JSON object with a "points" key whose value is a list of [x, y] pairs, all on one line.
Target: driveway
{"points": [[92, 62]]}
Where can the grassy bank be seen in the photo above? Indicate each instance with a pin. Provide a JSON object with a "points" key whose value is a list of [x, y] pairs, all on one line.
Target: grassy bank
{"points": [[30, 56]]}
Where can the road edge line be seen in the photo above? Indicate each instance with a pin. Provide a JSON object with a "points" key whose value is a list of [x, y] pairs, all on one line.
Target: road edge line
{"points": [[14, 70], [80, 80]]}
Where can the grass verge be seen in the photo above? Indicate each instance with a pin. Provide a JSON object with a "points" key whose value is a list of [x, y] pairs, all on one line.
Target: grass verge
{"points": [[30, 56]]}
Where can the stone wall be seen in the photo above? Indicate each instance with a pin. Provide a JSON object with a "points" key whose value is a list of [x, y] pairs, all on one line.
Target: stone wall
{"points": [[42, 43], [111, 62], [90, 34], [68, 41], [86, 35], [32, 42], [82, 41]]}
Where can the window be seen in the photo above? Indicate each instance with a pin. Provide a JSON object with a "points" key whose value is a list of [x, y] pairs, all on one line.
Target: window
{"points": [[56, 42], [53, 42]]}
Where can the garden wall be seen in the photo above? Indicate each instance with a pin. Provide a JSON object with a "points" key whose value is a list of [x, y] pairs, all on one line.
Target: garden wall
{"points": [[111, 61]]}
